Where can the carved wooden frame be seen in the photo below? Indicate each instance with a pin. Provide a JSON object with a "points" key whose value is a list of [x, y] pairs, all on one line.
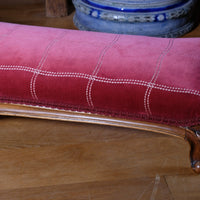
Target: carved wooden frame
{"points": [[191, 134]]}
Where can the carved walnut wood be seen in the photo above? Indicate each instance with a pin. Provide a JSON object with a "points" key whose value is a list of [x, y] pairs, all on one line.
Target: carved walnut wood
{"points": [[191, 136]]}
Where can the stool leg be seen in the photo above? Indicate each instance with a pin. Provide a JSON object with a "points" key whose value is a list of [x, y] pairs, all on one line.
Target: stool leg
{"points": [[56, 8], [193, 137]]}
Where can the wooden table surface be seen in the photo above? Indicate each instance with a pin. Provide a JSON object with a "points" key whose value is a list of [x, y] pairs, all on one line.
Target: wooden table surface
{"points": [[52, 160]]}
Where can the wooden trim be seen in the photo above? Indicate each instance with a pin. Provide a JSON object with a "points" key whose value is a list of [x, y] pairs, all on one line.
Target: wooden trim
{"points": [[54, 114], [193, 137], [56, 8]]}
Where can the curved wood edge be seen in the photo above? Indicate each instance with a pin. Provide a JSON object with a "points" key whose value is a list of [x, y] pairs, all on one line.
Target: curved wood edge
{"points": [[71, 116], [193, 137]]}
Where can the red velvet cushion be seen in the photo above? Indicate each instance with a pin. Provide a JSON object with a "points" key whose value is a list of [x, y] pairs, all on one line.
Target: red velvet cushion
{"points": [[135, 77]]}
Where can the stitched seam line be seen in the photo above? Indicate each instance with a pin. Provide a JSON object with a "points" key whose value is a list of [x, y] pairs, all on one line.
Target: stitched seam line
{"points": [[96, 70], [160, 65], [100, 79], [155, 76], [40, 65]]}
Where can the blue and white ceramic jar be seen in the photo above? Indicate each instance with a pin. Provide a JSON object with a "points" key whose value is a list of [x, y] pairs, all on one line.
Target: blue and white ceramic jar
{"points": [[163, 18]]}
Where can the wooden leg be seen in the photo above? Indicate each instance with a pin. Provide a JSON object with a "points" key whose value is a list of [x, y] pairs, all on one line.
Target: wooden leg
{"points": [[56, 8], [193, 137]]}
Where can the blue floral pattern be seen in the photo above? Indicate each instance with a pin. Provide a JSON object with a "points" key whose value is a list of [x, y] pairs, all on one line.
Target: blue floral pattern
{"points": [[134, 17]]}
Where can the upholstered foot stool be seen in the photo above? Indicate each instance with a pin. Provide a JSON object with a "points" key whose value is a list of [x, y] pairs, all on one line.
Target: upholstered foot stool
{"points": [[138, 82]]}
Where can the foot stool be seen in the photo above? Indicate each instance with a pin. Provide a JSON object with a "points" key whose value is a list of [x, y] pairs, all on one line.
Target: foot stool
{"points": [[138, 82]]}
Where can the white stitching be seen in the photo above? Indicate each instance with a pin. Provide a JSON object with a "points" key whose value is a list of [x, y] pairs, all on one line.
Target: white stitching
{"points": [[100, 79], [96, 70], [158, 64], [35, 75], [40, 65], [167, 51], [155, 76]]}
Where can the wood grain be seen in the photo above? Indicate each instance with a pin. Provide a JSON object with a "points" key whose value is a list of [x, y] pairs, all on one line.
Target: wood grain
{"points": [[56, 8], [184, 187], [144, 188], [63, 115], [42, 155], [34, 14]]}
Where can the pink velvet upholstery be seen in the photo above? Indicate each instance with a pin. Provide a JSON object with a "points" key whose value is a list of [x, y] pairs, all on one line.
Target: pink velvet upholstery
{"points": [[134, 77]]}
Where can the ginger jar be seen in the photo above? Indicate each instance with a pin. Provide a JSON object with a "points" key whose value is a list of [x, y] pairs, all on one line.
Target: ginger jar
{"points": [[161, 18]]}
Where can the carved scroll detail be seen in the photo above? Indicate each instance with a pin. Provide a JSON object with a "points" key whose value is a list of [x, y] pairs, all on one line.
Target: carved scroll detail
{"points": [[193, 137]]}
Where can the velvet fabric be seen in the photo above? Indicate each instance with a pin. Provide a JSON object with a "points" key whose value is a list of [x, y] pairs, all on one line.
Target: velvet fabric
{"points": [[132, 77]]}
